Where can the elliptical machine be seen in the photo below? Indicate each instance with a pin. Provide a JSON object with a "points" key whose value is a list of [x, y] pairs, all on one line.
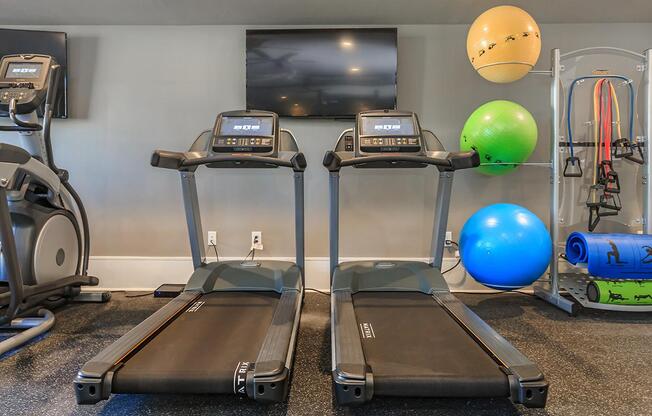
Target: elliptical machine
{"points": [[43, 225]]}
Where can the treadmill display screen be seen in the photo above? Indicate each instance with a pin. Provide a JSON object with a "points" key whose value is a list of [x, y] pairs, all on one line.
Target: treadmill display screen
{"points": [[23, 70], [247, 126], [388, 126]]}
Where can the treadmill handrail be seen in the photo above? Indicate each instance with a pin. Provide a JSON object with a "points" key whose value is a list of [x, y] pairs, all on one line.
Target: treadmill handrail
{"points": [[496, 344], [334, 161], [273, 353], [189, 160]]}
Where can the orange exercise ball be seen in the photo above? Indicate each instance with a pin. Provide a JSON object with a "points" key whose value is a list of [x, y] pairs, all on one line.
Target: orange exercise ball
{"points": [[503, 44]]}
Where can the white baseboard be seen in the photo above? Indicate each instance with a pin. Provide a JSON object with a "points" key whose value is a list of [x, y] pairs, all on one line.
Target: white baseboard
{"points": [[147, 273]]}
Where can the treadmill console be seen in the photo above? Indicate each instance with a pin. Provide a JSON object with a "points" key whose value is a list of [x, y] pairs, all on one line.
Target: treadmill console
{"points": [[25, 79], [246, 132], [387, 131]]}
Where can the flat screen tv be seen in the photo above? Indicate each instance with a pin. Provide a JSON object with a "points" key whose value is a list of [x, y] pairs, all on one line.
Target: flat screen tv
{"points": [[14, 42], [321, 72]]}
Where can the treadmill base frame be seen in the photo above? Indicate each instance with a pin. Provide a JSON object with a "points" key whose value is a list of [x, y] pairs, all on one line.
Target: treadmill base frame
{"points": [[353, 380]]}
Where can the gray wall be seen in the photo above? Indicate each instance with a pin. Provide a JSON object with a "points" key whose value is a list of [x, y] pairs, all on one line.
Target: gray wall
{"points": [[128, 96]]}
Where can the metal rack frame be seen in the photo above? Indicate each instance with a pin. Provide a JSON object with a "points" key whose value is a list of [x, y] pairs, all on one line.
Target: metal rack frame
{"points": [[572, 283]]}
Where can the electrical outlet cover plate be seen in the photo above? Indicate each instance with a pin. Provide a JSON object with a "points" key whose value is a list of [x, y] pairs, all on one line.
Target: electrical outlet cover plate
{"points": [[212, 238], [256, 240]]}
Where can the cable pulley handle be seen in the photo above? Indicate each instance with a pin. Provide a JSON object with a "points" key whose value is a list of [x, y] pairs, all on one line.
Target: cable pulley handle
{"points": [[26, 126], [573, 168], [622, 148], [637, 154]]}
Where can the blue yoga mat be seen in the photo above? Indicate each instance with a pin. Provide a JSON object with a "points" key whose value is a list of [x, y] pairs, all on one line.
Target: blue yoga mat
{"points": [[612, 256]]}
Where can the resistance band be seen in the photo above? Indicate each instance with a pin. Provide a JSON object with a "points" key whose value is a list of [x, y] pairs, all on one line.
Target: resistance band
{"points": [[603, 133], [597, 130], [569, 109]]}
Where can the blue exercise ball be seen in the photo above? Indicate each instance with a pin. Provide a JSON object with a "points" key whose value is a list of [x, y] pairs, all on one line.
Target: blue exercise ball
{"points": [[505, 246]]}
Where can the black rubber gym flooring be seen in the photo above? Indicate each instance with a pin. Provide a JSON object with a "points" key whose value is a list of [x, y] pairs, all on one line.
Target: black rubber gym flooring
{"points": [[597, 364]]}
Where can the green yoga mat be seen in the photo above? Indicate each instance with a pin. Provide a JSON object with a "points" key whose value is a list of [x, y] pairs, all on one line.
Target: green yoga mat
{"points": [[630, 292]]}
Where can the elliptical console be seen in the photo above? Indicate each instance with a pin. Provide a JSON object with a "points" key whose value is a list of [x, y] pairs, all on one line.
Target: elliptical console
{"points": [[24, 79]]}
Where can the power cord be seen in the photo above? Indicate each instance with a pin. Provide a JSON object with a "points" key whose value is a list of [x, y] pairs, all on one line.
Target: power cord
{"points": [[459, 260], [217, 255], [563, 257], [140, 295], [252, 252], [321, 292], [497, 292]]}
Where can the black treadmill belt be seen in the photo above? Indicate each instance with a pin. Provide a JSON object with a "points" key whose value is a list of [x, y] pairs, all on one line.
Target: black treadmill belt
{"points": [[415, 348], [198, 352]]}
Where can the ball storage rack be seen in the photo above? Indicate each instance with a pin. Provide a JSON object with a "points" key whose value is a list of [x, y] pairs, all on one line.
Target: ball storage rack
{"points": [[566, 287]]}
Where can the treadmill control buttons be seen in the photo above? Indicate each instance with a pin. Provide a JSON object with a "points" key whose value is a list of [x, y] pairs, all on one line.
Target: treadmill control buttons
{"points": [[260, 142], [390, 144], [389, 141]]}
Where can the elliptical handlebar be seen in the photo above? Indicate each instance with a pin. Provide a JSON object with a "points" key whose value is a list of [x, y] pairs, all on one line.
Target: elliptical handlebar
{"points": [[20, 125], [53, 81], [50, 100]]}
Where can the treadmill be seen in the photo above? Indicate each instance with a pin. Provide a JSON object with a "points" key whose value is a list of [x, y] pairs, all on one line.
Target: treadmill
{"points": [[233, 329], [397, 330]]}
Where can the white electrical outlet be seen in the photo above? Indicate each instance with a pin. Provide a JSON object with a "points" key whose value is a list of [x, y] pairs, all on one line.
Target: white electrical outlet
{"points": [[212, 238], [449, 237], [256, 240]]}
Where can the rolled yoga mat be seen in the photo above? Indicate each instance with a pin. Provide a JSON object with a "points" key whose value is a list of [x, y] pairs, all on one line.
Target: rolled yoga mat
{"points": [[628, 292], [612, 256]]}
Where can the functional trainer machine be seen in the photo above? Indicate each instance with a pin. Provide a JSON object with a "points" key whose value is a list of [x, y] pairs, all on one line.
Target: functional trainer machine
{"points": [[396, 328], [570, 174], [233, 328], [43, 224]]}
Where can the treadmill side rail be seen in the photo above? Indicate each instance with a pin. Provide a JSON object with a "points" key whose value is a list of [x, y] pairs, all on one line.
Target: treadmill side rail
{"points": [[270, 379], [93, 382], [527, 384], [352, 381]]}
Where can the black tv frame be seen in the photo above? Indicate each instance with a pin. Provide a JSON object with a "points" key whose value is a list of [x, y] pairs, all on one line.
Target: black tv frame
{"points": [[299, 30]]}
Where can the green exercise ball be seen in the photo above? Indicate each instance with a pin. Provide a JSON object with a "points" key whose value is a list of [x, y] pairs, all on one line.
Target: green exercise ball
{"points": [[500, 131]]}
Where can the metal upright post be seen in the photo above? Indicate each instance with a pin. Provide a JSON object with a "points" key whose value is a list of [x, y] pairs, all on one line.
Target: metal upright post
{"points": [[193, 218], [551, 294], [647, 119], [554, 172], [442, 204], [299, 225], [334, 221]]}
